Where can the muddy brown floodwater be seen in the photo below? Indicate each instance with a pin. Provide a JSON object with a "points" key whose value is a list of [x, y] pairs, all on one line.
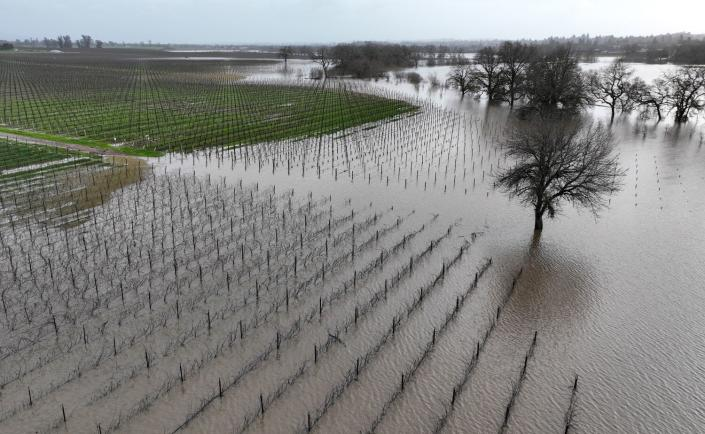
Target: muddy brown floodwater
{"points": [[366, 281]]}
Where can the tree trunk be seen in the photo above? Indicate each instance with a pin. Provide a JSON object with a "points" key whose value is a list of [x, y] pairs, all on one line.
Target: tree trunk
{"points": [[511, 95], [538, 221], [681, 115], [612, 117]]}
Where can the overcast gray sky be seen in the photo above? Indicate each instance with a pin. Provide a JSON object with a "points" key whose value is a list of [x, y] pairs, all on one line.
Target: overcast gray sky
{"points": [[299, 21]]}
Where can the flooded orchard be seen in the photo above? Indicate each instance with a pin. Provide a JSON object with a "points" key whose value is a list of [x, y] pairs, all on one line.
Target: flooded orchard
{"points": [[369, 279]]}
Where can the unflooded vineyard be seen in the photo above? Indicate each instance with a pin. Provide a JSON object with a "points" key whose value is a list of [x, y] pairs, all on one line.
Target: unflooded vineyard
{"points": [[140, 106]]}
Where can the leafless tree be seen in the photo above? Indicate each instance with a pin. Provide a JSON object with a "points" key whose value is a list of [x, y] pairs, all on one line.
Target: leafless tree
{"points": [[653, 96], [285, 53], [554, 81], [610, 86], [560, 160], [463, 79], [685, 90], [64, 41], [85, 42], [416, 56], [490, 74], [515, 58], [323, 56]]}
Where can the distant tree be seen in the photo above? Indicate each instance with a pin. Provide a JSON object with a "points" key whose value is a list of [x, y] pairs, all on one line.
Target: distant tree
{"points": [[685, 91], [49, 43], [85, 42], [433, 80], [323, 57], [554, 81], [285, 53], [457, 60], [691, 53], [413, 78], [559, 160], [98, 43], [489, 75], [316, 74], [515, 58], [675, 47], [463, 79], [653, 96], [416, 56], [656, 55], [440, 58], [6, 46], [67, 42], [611, 85], [369, 59]]}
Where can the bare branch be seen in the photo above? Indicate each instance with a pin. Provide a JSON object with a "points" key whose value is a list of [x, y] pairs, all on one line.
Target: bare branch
{"points": [[555, 161]]}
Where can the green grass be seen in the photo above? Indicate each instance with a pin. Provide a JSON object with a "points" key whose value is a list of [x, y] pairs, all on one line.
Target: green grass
{"points": [[151, 111], [25, 160], [125, 150], [16, 155]]}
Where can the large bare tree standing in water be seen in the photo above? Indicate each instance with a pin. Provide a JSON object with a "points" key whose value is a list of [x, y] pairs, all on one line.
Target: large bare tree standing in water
{"points": [[560, 160], [462, 78], [611, 86], [285, 53], [323, 56], [489, 73], [516, 58]]}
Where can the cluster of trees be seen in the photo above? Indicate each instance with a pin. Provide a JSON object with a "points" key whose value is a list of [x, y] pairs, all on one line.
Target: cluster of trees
{"points": [[363, 60], [449, 53], [689, 52], [682, 48], [6, 46], [681, 91], [445, 59], [358, 60], [53, 43], [63, 42], [547, 79], [370, 59], [515, 71]]}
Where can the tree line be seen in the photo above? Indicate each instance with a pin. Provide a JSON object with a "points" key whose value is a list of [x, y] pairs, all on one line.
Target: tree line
{"points": [[548, 78], [63, 42], [682, 48], [363, 60]]}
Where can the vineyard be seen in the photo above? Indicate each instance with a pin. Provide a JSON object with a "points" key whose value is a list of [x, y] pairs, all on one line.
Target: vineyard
{"points": [[303, 258], [142, 108]]}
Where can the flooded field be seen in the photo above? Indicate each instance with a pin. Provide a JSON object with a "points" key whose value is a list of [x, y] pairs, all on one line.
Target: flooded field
{"points": [[364, 280]]}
